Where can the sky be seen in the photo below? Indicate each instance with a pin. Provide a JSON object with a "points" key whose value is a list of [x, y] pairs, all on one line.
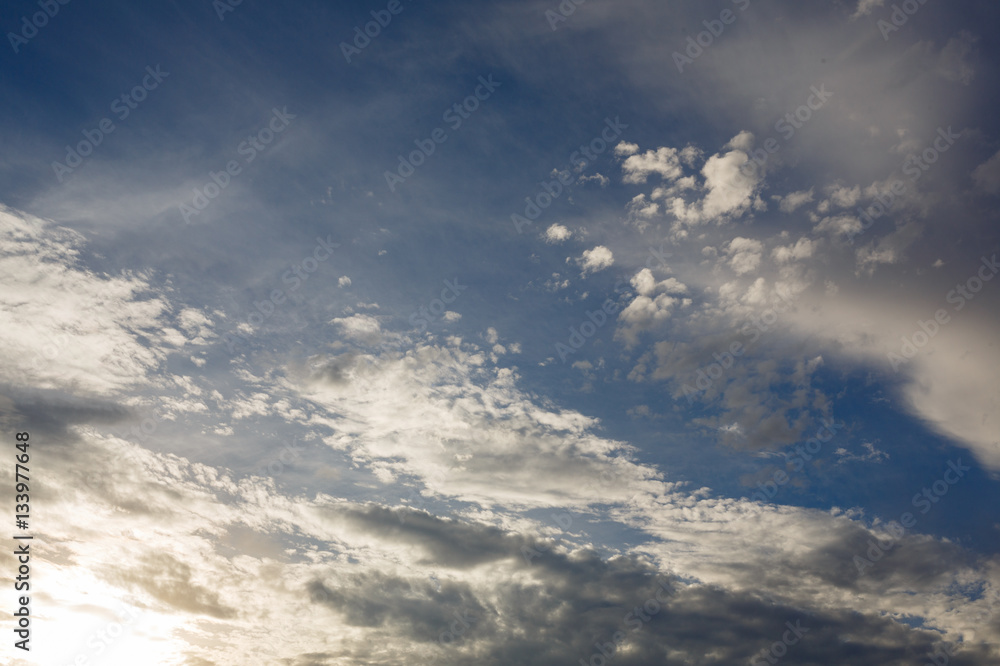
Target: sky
{"points": [[525, 332]]}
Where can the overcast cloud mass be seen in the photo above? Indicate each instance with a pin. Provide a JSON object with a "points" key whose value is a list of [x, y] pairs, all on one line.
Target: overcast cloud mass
{"points": [[513, 333]]}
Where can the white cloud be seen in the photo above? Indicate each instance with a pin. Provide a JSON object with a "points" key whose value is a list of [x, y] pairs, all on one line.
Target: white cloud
{"points": [[642, 208], [625, 148], [691, 154], [662, 161], [344, 281], [596, 259], [359, 327], [64, 327], [742, 141], [845, 197], [871, 455], [557, 233], [730, 188], [600, 179], [838, 225], [987, 175], [653, 304], [803, 249], [795, 200], [744, 254]]}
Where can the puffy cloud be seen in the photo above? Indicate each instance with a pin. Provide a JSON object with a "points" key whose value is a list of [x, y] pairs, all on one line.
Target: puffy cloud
{"points": [[359, 327], [625, 148], [652, 305], [742, 141], [839, 225], [596, 259], [731, 188], [744, 254], [845, 197], [663, 161], [803, 249], [557, 233], [794, 200], [642, 209]]}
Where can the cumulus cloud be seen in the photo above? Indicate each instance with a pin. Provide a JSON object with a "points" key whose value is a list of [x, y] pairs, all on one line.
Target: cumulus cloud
{"points": [[625, 148], [802, 249], [744, 254], [794, 200], [652, 305], [359, 327], [663, 161], [729, 189], [742, 141], [596, 259], [557, 233]]}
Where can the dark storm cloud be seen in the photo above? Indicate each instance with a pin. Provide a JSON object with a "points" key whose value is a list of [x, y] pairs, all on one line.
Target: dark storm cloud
{"points": [[555, 609], [52, 413], [448, 543]]}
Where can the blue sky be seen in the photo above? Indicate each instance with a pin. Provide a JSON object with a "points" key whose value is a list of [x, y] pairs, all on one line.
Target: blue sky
{"points": [[324, 339]]}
